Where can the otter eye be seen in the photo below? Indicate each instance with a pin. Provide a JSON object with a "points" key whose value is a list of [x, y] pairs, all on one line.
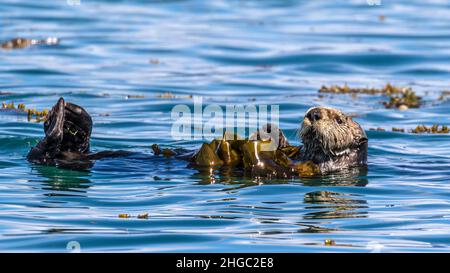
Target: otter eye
{"points": [[339, 120]]}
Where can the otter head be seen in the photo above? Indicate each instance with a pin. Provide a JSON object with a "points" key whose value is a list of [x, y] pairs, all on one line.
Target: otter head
{"points": [[328, 133], [69, 125]]}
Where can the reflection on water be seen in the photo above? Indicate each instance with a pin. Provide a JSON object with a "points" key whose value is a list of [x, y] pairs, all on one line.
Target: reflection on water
{"points": [[227, 175], [57, 180], [333, 205], [314, 229], [317, 205], [351, 177]]}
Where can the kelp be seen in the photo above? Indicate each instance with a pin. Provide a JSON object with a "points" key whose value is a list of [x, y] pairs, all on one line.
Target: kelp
{"points": [[292, 152], [158, 151], [307, 168], [227, 153], [207, 156], [139, 216], [261, 163], [143, 216], [420, 129], [252, 156], [19, 43], [400, 130], [387, 90], [403, 101], [170, 95], [377, 129], [16, 43], [329, 242], [32, 114], [399, 98]]}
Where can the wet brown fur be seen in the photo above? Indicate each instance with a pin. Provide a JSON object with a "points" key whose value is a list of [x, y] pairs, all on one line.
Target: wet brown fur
{"points": [[332, 140]]}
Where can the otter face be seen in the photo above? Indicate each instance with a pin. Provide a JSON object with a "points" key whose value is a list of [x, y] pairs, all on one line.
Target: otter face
{"points": [[331, 131]]}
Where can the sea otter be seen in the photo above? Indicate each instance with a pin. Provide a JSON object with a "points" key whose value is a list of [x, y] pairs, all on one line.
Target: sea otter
{"points": [[332, 142], [67, 137]]}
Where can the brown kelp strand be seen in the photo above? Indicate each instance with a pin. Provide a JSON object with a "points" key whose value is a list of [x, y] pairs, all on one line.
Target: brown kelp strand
{"points": [[420, 129], [435, 129], [399, 98], [386, 90], [400, 130], [253, 156], [139, 216], [33, 114], [403, 101], [18, 43], [377, 129], [170, 95]]}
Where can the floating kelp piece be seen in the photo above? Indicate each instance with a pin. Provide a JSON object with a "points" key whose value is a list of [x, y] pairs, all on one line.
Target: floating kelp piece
{"points": [[282, 159], [227, 154], [293, 152], [261, 162], [401, 98], [431, 130], [206, 157], [404, 101], [420, 129], [399, 130], [33, 114], [18, 43], [258, 158], [170, 95], [307, 168], [388, 90], [166, 151], [143, 216], [268, 168], [271, 132], [215, 145], [156, 149], [253, 153]]}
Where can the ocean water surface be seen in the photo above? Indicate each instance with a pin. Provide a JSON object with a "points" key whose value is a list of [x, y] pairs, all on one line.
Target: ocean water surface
{"points": [[119, 59]]}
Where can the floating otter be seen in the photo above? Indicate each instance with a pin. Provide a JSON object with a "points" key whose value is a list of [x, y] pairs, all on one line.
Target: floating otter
{"points": [[332, 142], [66, 143]]}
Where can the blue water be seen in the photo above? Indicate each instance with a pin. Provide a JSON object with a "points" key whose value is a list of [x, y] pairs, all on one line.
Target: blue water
{"points": [[116, 57]]}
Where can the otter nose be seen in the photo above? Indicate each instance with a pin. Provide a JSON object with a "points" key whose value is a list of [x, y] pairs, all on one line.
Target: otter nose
{"points": [[315, 115]]}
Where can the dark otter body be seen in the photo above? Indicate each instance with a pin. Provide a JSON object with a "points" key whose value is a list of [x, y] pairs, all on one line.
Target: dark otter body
{"points": [[332, 142], [66, 143]]}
